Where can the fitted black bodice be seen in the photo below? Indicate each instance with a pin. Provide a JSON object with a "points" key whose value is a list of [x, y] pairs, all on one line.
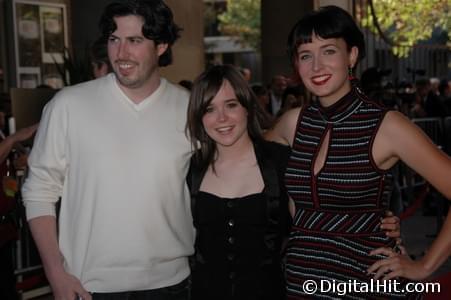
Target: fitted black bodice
{"points": [[239, 240], [232, 258], [230, 226]]}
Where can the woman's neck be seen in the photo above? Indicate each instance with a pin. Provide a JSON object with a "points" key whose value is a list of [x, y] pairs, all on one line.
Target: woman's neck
{"points": [[329, 100], [237, 152]]}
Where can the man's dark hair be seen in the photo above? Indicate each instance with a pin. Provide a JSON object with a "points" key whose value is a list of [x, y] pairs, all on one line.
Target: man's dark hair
{"points": [[158, 24]]}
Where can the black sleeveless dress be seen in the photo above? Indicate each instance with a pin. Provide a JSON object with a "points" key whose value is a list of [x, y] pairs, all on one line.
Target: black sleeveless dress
{"points": [[239, 240]]}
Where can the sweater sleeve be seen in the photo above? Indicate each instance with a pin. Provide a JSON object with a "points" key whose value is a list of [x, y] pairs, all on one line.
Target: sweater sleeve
{"points": [[47, 162]]}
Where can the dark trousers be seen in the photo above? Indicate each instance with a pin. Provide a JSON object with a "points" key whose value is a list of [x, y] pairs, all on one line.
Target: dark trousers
{"points": [[180, 291], [7, 278]]}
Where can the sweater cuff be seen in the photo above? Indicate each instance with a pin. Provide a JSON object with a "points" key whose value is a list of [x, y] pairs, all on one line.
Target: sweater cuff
{"points": [[36, 209]]}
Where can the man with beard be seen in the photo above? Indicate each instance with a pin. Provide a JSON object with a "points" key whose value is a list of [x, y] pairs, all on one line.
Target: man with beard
{"points": [[114, 149]]}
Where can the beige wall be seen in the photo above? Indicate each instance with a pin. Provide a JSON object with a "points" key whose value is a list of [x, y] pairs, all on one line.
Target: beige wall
{"points": [[188, 51]]}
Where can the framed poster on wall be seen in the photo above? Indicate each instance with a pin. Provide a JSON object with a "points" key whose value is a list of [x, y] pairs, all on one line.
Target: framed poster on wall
{"points": [[40, 36], [30, 77]]}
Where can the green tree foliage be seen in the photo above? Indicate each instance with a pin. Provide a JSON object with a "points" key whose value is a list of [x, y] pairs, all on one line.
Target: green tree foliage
{"points": [[242, 19], [403, 23]]}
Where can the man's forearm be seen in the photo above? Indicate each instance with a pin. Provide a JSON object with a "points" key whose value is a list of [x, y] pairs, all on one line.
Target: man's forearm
{"points": [[44, 233]]}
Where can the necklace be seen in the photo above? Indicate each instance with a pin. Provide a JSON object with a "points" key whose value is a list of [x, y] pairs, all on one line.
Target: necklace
{"points": [[342, 118]]}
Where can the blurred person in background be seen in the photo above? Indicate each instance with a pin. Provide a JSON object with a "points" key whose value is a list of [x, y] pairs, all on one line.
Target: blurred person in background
{"points": [[8, 213], [99, 58], [246, 73], [293, 96], [262, 95], [427, 103], [445, 94], [277, 87]]}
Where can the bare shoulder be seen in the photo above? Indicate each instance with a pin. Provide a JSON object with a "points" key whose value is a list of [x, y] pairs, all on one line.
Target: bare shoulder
{"points": [[394, 118], [283, 131], [398, 128], [411, 145], [388, 144]]}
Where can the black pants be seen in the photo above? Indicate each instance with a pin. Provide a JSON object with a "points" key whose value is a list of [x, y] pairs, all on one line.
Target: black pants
{"points": [[180, 291], [7, 278]]}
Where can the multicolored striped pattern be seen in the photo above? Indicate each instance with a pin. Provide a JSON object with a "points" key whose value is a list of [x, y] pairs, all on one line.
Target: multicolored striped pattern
{"points": [[338, 210]]}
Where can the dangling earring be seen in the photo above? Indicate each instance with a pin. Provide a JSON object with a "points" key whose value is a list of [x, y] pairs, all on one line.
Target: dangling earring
{"points": [[350, 74]]}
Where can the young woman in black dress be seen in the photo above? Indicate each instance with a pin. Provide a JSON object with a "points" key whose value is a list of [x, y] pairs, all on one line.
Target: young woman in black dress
{"points": [[240, 207]]}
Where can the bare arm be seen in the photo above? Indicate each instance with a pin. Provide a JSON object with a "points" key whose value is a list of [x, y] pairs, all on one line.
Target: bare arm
{"points": [[283, 133], [21, 135], [285, 128], [64, 285], [401, 139], [44, 233]]}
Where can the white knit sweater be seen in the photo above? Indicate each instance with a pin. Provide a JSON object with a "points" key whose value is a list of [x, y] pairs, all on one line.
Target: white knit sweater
{"points": [[120, 168]]}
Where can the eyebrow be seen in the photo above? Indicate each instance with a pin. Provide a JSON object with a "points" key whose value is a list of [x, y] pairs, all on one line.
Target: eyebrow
{"points": [[128, 37], [328, 45], [135, 37], [227, 101], [321, 47]]}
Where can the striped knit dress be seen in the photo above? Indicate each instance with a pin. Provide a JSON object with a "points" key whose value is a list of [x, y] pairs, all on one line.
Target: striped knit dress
{"points": [[338, 210]]}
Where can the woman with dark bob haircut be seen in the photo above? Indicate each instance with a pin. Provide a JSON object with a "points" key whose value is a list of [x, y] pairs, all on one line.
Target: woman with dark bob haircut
{"points": [[343, 146], [327, 22], [239, 203]]}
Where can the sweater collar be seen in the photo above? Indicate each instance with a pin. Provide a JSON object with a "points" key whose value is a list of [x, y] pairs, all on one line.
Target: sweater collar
{"points": [[155, 96]]}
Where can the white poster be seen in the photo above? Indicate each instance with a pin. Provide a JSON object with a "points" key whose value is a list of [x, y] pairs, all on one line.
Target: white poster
{"points": [[40, 31]]}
